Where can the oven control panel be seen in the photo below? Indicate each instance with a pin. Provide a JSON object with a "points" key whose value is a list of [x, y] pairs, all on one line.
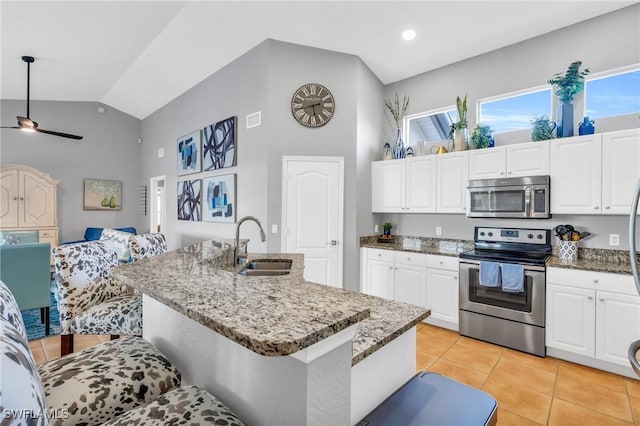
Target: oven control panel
{"points": [[512, 235]]}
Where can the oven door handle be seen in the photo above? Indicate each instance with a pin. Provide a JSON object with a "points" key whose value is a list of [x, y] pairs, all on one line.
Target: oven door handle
{"points": [[469, 263], [527, 201]]}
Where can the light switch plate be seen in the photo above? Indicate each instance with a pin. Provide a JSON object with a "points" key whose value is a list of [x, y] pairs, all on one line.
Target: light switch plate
{"points": [[160, 152], [376, 228], [438, 230], [274, 228]]}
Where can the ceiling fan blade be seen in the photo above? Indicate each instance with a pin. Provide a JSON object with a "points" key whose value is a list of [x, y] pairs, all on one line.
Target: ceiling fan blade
{"points": [[9, 127], [63, 135]]}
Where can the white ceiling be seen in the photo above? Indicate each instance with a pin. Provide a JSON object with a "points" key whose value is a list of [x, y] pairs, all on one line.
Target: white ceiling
{"points": [[138, 56]]}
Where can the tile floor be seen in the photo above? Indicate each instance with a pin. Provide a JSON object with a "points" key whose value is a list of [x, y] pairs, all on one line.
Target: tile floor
{"points": [[530, 390]]}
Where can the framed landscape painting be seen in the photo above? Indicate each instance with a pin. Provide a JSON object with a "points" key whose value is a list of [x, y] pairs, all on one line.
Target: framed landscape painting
{"points": [[219, 199], [189, 200], [189, 147], [219, 146], [102, 194]]}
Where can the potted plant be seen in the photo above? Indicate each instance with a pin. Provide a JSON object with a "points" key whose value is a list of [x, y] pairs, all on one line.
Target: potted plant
{"points": [[542, 128], [481, 136], [387, 228], [397, 110], [567, 86], [459, 131]]}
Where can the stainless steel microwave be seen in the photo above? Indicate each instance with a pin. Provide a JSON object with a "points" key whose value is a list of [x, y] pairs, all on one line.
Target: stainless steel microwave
{"points": [[518, 198]]}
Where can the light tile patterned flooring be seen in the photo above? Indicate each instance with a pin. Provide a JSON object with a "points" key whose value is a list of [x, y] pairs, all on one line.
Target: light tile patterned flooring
{"points": [[530, 390]]}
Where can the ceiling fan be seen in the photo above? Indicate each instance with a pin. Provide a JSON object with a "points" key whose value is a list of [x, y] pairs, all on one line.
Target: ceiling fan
{"points": [[26, 123]]}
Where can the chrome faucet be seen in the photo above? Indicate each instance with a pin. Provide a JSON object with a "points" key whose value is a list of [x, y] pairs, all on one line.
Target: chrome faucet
{"points": [[239, 258]]}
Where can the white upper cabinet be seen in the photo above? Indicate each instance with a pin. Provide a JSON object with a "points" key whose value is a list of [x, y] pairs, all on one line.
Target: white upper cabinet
{"points": [[404, 186], [576, 170], [488, 163], [452, 182], [620, 170], [528, 159], [421, 184], [522, 159], [388, 186]]}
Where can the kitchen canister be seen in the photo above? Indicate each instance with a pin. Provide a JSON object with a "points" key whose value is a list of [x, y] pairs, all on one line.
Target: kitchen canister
{"points": [[568, 250]]}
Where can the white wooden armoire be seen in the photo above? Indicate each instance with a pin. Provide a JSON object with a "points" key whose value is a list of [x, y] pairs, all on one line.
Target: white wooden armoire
{"points": [[28, 202]]}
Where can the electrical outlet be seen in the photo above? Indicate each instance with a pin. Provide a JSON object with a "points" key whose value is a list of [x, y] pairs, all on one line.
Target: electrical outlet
{"points": [[614, 239], [376, 228], [274, 228], [438, 230]]}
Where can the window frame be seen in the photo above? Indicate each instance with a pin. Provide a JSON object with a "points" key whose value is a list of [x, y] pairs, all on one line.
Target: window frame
{"points": [[406, 118], [605, 74]]}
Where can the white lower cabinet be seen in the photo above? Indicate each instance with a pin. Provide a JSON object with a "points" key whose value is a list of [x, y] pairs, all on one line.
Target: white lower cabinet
{"points": [[592, 318], [416, 278]]}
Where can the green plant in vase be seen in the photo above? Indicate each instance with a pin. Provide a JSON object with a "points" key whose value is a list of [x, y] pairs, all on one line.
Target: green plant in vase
{"points": [[542, 128], [459, 131], [387, 228], [567, 86], [481, 136], [398, 110]]}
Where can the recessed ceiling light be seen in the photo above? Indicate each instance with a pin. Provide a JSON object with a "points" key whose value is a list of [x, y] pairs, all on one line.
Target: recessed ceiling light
{"points": [[409, 35]]}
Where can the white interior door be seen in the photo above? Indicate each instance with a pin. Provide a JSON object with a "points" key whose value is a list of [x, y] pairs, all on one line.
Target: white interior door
{"points": [[312, 210]]}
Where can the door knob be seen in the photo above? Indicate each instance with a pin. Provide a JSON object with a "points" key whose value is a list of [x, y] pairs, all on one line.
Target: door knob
{"points": [[335, 243]]}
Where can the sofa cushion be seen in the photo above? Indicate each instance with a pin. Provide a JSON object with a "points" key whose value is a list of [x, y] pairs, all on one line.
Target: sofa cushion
{"points": [[120, 315], [106, 380], [93, 234], [119, 240], [184, 405]]}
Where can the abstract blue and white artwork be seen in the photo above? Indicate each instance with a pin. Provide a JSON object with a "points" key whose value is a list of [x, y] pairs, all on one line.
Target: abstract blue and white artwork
{"points": [[189, 153], [219, 146], [189, 195], [219, 199]]}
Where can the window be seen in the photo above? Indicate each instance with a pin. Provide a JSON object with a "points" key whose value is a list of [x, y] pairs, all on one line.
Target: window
{"points": [[432, 126], [611, 95], [514, 112]]}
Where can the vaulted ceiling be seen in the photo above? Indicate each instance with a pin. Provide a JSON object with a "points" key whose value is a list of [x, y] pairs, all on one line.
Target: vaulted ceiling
{"points": [[138, 56]]}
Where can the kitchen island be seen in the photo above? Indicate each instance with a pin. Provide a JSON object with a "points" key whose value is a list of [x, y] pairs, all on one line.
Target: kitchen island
{"points": [[276, 349]]}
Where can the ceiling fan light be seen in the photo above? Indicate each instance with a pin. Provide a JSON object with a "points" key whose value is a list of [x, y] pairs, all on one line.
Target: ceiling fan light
{"points": [[28, 129]]}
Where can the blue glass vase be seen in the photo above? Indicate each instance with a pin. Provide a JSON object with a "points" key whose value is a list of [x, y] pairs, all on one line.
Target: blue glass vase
{"points": [[586, 127], [399, 149], [564, 122]]}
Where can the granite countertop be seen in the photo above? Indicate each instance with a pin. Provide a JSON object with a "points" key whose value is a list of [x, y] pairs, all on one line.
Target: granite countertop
{"points": [[438, 246], [272, 315], [589, 259]]}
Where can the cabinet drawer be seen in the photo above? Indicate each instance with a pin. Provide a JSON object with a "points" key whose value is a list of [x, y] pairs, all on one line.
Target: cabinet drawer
{"points": [[377, 254], [409, 258], [602, 281], [443, 262], [47, 233]]}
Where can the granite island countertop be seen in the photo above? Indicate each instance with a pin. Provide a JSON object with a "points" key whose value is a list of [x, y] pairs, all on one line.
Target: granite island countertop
{"points": [[272, 315]]}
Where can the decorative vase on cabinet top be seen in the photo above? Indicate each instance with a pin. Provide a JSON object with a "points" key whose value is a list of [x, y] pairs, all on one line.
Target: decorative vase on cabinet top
{"points": [[461, 139], [586, 127], [564, 122], [398, 148]]}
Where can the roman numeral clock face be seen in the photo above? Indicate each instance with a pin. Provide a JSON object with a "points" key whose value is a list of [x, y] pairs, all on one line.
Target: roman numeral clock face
{"points": [[312, 105]]}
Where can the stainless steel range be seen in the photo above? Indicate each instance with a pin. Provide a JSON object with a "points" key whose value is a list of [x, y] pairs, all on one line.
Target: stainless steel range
{"points": [[511, 316]]}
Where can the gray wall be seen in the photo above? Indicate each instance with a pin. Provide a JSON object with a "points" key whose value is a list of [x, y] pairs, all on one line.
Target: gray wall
{"points": [[239, 89], [603, 43], [109, 150]]}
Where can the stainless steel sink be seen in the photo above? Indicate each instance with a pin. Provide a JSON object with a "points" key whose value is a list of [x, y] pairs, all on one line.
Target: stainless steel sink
{"points": [[266, 267]]}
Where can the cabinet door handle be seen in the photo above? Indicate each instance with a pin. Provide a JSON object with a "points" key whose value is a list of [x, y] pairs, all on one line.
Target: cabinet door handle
{"points": [[501, 173], [601, 299], [595, 281], [441, 262], [510, 173], [21, 198], [595, 207], [379, 255], [589, 297], [607, 207]]}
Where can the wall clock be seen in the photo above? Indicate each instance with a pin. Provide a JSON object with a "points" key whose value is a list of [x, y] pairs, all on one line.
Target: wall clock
{"points": [[312, 105]]}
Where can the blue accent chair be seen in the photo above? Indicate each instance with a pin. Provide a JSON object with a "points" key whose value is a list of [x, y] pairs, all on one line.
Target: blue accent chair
{"points": [[26, 271]]}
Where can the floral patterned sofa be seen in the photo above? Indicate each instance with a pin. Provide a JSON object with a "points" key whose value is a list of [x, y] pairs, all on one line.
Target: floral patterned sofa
{"points": [[121, 382]]}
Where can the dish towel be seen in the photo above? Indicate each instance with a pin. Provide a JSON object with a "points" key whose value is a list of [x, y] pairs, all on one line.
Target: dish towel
{"points": [[512, 278], [489, 274]]}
